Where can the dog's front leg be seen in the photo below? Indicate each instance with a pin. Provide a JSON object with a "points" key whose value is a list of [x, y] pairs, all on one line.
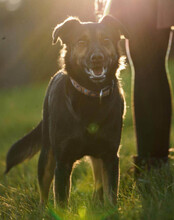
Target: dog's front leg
{"points": [[111, 178], [62, 184]]}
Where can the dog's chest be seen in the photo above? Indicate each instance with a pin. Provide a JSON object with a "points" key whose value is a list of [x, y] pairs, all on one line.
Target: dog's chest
{"points": [[87, 123]]}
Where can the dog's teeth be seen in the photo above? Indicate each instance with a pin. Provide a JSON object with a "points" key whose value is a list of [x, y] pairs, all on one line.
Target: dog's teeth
{"points": [[88, 71], [93, 75], [92, 72]]}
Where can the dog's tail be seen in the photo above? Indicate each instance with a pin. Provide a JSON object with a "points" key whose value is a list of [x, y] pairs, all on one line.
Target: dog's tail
{"points": [[25, 148]]}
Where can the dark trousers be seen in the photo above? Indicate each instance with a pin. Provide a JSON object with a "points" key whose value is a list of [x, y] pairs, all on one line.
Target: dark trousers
{"points": [[152, 97], [151, 92]]}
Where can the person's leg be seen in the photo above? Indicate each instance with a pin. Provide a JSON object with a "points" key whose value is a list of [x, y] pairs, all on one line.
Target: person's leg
{"points": [[151, 92], [152, 97]]}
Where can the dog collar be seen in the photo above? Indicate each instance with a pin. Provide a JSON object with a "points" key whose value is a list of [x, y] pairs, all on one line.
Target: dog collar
{"points": [[103, 92]]}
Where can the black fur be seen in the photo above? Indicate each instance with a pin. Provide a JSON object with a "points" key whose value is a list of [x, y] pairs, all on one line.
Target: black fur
{"points": [[75, 125], [25, 148]]}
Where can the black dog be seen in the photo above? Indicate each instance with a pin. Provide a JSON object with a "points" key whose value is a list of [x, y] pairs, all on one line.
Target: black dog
{"points": [[82, 113]]}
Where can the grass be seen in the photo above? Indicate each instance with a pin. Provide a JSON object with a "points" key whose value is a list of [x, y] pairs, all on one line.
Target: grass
{"points": [[151, 197]]}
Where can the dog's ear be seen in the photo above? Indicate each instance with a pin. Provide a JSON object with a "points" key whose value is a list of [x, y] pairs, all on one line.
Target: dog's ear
{"points": [[63, 31], [115, 25]]}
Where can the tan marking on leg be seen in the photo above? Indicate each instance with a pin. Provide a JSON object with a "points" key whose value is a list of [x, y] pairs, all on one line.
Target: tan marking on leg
{"points": [[47, 178], [97, 165]]}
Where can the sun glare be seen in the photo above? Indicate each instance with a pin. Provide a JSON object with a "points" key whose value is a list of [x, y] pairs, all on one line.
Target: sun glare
{"points": [[11, 5], [100, 7], [107, 8]]}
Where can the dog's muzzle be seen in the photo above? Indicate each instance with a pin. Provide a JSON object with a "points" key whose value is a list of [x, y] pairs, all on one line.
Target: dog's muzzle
{"points": [[96, 68]]}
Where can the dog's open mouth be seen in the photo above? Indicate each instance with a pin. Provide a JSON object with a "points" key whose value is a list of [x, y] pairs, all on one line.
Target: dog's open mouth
{"points": [[97, 73]]}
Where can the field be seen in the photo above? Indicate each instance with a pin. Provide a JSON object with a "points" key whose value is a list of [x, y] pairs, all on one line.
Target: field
{"points": [[149, 198]]}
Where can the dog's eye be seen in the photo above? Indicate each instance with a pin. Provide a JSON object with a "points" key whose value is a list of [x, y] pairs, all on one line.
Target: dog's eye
{"points": [[82, 43]]}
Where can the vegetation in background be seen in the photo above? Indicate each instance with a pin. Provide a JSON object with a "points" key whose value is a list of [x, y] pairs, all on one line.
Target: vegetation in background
{"points": [[151, 197], [26, 51]]}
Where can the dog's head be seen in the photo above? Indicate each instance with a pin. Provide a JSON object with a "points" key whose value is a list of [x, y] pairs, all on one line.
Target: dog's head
{"points": [[92, 54]]}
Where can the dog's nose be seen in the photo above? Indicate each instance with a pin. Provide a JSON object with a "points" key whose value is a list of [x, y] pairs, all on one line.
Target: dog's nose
{"points": [[97, 57]]}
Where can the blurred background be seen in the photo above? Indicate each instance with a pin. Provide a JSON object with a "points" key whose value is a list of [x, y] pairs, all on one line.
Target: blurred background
{"points": [[26, 51]]}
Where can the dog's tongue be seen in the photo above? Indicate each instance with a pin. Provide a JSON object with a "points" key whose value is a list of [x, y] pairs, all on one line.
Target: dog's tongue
{"points": [[98, 71]]}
